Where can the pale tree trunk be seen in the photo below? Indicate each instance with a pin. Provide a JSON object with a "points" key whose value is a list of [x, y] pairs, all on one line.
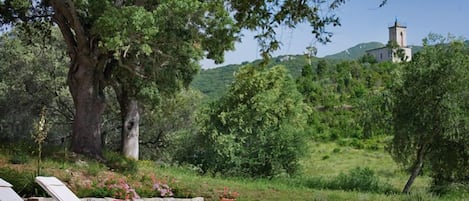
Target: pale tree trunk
{"points": [[130, 116], [415, 169], [130, 130]]}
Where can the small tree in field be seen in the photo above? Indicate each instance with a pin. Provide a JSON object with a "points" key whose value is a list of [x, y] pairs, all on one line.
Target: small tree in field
{"points": [[39, 136], [431, 113], [256, 129]]}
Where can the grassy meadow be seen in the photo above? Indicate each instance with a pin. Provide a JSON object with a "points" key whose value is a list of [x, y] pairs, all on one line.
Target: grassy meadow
{"points": [[324, 162]]}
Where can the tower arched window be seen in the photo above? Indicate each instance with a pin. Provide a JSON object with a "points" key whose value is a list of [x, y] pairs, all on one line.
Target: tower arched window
{"points": [[402, 39]]}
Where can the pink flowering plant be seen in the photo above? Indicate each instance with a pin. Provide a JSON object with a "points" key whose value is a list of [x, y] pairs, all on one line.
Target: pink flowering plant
{"points": [[161, 187], [118, 188], [229, 194]]}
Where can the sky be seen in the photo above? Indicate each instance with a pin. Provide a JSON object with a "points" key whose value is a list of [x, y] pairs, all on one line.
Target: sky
{"points": [[363, 21]]}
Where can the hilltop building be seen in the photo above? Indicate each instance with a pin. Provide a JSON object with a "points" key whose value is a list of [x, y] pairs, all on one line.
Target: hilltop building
{"points": [[396, 50]]}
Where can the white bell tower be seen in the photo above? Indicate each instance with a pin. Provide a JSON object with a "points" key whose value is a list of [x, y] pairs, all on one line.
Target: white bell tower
{"points": [[398, 34]]}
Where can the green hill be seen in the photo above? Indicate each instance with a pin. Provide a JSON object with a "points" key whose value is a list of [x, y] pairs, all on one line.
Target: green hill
{"points": [[213, 82], [355, 52], [359, 50]]}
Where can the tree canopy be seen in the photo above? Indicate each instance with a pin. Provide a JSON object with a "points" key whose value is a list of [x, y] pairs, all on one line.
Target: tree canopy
{"points": [[431, 113], [256, 128], [145, 41]]}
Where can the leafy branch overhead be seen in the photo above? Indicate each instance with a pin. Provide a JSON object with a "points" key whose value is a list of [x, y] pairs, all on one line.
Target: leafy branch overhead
{"points": [[130, 45]]}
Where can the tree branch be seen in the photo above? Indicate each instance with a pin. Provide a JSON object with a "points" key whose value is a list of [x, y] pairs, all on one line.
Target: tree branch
{"points": [[67, 9], [66, 33]]}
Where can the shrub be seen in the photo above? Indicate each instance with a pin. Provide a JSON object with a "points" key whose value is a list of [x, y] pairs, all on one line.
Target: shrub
{"points": [[357, 144], [358, 179], [114, 187], [256, 129], [120, 163], [19, 157], [155, 187], [94, 168]]}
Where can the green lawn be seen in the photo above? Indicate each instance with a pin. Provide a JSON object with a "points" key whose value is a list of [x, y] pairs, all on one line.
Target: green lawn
{"points": [[325, 160], [329, 159]]}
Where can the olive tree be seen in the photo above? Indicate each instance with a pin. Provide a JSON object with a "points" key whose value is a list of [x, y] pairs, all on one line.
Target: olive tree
{"points": [[431, 112]]}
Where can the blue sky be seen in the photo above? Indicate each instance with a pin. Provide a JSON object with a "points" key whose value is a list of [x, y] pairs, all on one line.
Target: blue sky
{"points": [[363, 21]]}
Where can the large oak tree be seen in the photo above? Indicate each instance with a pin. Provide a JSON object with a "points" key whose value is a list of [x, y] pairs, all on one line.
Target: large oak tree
{"points": [[131, 43]]}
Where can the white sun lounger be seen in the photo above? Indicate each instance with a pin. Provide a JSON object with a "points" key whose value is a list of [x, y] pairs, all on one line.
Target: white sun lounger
{"points": [[7, 193], [55, 188]]}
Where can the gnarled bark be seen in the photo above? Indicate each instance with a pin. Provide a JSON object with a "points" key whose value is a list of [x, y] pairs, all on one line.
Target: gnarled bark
{"points": [[86, 88], [85, 79]]}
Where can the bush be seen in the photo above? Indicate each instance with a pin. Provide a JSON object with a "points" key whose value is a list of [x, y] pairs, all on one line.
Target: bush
{"points": [[120, 163], [19, 157], [256, 129], [358, 179]]}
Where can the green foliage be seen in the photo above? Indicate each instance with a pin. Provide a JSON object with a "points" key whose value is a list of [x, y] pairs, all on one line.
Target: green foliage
{"points": [[361, 179], [430, 115], [367, 58], [22, 181], [94, 168], [256, 129], [120, 163], [307, 86], [357, 179], [376, 113], [166, 124], [119, 27], [19, 157], [33, 77]]}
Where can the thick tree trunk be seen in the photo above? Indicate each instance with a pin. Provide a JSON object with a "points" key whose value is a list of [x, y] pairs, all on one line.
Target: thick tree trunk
{"points": [[415, 169], [86, 87], [86, 78]]}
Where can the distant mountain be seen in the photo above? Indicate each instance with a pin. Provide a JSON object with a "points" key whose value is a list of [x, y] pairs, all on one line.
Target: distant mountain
{"points": [[355, 52], [359, 50]]}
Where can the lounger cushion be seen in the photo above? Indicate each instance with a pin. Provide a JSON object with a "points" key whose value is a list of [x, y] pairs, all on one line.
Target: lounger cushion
{"points": [[7, 193], [56, 189]]}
